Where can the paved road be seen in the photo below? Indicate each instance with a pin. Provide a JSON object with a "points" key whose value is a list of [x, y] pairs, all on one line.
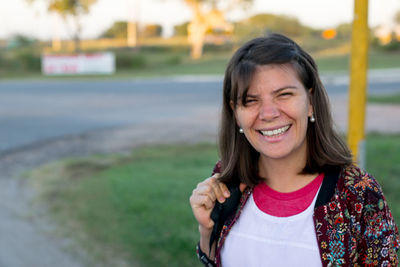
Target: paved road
{"points": [[46, 120], [31, 111]]}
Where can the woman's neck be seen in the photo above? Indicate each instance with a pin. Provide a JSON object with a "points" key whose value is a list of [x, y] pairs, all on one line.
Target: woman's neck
{"points": [[283, 175]]}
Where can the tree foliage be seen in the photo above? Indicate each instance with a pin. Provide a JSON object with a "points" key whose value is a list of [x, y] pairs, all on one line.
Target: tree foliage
{"points": [[209, 15], [344, 31], [262, 24], [224, 5], [397, 17], [73, 9], [119, 30], [68, 7], [151, 30], [181, 29]]}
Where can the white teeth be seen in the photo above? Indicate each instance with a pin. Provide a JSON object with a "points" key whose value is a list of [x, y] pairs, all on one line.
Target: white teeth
{"points": [[276, 131]]}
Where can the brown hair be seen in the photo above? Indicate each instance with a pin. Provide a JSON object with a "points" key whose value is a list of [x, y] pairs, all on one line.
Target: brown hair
{"points": [[239, 160]]}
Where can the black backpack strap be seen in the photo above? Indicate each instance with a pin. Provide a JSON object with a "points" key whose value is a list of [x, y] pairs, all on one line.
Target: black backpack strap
{"points": [[328, 186], [222, 211]]}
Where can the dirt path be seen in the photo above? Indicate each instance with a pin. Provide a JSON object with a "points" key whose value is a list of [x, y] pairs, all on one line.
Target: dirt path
{"points": [[28, 238]]}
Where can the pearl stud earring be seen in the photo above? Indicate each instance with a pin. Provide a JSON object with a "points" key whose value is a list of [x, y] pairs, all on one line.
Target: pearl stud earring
{"points": [[312, 118]]}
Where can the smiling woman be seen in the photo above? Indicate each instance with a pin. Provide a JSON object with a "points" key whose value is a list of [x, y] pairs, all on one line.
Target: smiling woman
{"points": [[275, 113], [299, 198]]}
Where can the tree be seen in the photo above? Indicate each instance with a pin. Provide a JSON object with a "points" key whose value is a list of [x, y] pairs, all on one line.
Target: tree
{"points": [[181, 29], [117, 30], [397, 26], [73, 9], [344, 31], [209, 14], [397, 17], [261, 24], [151, 30]]}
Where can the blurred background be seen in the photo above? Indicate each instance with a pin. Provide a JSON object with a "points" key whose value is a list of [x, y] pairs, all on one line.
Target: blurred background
{"points": [[164, 37], [109, 116]]}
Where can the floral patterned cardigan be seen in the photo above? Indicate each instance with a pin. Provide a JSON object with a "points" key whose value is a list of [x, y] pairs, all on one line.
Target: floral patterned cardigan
{"points": [[353, 223]]}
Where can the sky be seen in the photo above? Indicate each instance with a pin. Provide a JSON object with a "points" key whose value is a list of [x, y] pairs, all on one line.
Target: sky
{"points": [[18, 17]]}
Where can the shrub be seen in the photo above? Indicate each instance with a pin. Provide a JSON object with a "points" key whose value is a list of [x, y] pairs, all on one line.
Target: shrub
{"points": [[130, 61], [173, 60], [29, 60]]}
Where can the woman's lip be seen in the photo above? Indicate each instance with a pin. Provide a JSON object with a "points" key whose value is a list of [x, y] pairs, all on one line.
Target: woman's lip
{"points": [[276, 133], [274, 128]]}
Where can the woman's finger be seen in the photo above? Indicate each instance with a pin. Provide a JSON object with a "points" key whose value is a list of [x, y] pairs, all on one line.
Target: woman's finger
{"points": [[198, 201], [224, 190], [215, 184], [205, 189], [242, 187]]}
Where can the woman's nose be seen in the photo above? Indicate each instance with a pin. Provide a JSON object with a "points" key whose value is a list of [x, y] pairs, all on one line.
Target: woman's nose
{"points": [[268, 111]]}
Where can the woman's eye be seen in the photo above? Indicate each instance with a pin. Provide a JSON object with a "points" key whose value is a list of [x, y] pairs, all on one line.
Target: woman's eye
{"points": [[286, 94], [250, 100]]}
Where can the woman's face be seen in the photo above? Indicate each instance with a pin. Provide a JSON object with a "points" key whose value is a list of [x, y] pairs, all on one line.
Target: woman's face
{"points": [[275, 116]]}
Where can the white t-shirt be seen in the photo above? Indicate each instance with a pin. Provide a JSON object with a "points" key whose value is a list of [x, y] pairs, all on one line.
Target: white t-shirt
{"points": [[259, 239]]}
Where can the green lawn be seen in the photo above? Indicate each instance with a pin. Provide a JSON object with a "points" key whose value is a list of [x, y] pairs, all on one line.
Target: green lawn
{"points": [[161, 63], [137, 206], [376, 60], [383, 162], [385, 99]]}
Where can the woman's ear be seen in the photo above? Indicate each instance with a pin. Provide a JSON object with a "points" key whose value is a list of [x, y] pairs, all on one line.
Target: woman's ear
{"points": [[310, 110], [310, 104]]}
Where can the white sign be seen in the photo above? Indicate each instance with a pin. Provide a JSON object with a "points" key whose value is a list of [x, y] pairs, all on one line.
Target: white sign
{"points": [[90, 63]]}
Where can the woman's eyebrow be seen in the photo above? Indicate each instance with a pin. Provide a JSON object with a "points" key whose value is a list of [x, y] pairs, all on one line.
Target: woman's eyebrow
{"points": [[284, 88], [251, 95]]}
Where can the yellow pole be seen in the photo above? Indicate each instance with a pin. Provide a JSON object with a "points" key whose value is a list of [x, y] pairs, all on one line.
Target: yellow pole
{"points": [[358, 81]]}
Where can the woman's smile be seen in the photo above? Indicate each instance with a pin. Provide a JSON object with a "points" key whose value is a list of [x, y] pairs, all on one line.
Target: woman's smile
{"points": [[275, 131], [274, 135]]}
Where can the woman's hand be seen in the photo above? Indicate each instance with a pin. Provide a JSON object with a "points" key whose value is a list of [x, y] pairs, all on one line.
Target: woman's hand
{"points": [[203, 200]]}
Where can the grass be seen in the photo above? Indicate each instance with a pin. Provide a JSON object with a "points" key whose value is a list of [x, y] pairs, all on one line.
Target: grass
{"points": [[212, 64], [383, 161], [385, 99], [136, 206], [167, 63], [376, 60], [333, 63], [156, 65]]}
